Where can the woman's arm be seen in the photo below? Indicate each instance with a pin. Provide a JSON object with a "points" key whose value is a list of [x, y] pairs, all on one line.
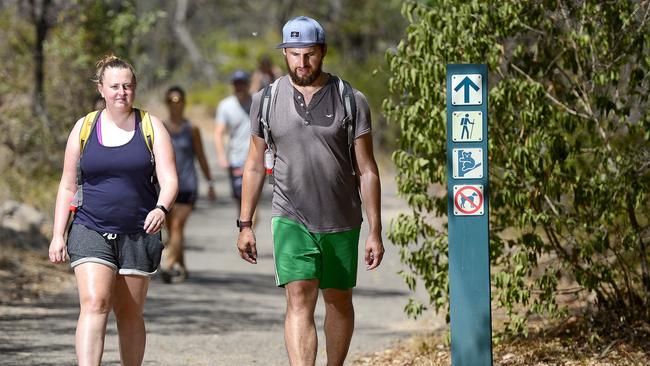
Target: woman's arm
{"points": [[67, 189], [166, 173], [197, 145]]}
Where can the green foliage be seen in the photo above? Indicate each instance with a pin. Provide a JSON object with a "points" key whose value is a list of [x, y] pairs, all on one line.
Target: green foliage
{"points": [[79, 34], [22, 156], [568, 150]]}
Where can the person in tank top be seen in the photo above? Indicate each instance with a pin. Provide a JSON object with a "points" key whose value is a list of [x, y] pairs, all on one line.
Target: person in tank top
{"points": [[114, 242], [188, 148]]}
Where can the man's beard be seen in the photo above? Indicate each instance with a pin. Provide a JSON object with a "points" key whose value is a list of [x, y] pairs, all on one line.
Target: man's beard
{"points": [[305, 80]]}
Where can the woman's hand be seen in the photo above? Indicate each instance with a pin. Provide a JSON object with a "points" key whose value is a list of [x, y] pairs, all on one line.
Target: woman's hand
{"points": [[212, 195], [154, 221], [58, 252]]}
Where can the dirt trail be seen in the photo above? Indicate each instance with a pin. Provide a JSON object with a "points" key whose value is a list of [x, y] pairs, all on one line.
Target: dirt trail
{"points": [[228, 312]]}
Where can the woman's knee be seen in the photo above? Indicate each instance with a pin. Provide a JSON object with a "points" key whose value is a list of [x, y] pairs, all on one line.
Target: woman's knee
{"points": [[129, 311], [176, 225], [130, 296], [96, 304]]}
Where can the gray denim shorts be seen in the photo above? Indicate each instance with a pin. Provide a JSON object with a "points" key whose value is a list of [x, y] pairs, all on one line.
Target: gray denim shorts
{"points": [[129, 254]]}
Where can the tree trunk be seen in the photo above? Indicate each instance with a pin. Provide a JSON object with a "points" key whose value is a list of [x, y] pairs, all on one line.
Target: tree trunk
{"points": [[39, 10], [185, 38], [284, 9]]}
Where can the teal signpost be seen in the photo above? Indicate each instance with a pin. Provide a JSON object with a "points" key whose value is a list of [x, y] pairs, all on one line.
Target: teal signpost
{"points": [[467, 188]]}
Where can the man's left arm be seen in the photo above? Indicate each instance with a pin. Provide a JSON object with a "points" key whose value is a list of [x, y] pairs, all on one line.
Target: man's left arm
{"points": [[371, 195]]}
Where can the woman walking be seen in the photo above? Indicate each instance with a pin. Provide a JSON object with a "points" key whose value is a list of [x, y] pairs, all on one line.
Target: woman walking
{"points": [[114, 243], [188, 147]]}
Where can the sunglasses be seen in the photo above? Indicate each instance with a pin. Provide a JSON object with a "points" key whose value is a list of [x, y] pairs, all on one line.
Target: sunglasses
{"points": [[175, 99]]}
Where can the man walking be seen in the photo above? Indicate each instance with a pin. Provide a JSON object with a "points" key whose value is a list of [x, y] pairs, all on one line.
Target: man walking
{"points": [[318, 171], [233, 119]]}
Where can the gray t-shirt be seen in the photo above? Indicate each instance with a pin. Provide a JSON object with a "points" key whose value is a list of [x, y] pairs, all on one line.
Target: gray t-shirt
{"points": [[314, 184], [235, 117]]}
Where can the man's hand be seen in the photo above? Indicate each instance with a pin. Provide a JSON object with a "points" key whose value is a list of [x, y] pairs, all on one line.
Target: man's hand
{"points": [[374, 252], [223, 162], [246, 245]]}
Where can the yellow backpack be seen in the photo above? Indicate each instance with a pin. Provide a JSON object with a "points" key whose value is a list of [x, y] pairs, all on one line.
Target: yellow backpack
{"points": [[146, 127]]}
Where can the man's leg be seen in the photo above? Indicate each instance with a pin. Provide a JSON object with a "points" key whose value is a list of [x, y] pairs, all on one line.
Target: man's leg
{"points": [[128, 305], [299, 327], [339, 324]]}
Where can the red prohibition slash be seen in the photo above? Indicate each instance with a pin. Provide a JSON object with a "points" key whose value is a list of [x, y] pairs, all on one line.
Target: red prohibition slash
{"points": [[475, 206]]}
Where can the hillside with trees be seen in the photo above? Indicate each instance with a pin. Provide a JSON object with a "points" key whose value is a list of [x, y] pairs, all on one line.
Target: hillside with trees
{"points": [[569, 147]]}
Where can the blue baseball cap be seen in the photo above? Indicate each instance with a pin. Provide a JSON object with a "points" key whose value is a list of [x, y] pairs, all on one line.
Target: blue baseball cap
{"points": [[301, 32], [239, 75]]}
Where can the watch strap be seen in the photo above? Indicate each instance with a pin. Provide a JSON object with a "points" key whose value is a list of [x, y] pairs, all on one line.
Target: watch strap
{"points": [[242, 224], [163, 209]]}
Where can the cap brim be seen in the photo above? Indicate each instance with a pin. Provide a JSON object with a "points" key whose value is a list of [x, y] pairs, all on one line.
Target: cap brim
{"points": [[296, 45]]}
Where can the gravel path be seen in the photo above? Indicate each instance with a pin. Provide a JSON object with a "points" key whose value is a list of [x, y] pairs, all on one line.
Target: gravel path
{"points": [[228, 312]]}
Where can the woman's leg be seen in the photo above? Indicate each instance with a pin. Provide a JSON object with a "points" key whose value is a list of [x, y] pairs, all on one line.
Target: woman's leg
{"points": [[128, 305], [95, 282], [176, 224]]}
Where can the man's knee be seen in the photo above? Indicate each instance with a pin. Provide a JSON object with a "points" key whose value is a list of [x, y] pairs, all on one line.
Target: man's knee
{"points": [[302, 294], [340, 300]]}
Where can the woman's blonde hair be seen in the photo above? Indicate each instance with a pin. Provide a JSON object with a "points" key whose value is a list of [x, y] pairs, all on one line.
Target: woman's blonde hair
{"points": [[111, 61]]}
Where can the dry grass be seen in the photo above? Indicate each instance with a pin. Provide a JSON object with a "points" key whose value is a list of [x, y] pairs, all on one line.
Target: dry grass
{"points": [[589, 341], [27, 275]]}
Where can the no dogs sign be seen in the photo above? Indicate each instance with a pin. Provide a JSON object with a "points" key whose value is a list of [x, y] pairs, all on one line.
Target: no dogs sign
{"points": [[468, 200]]}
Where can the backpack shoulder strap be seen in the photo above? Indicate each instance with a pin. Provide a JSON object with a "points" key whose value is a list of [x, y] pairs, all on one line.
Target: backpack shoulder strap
{"points": [[347, 96], [266, 105], [147, 129], [86, 128], [84, 135], [349, 121]]}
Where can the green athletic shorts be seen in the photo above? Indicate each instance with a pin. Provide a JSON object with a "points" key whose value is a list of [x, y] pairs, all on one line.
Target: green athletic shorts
{"points": [[301, 255]]}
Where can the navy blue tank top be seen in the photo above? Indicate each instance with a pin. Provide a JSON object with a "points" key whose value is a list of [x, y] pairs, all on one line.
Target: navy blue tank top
{"points": [[117, 189], [184, 151]]}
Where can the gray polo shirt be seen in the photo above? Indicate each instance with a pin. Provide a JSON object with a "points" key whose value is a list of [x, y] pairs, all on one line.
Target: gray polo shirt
{"points": [[314, 184]]}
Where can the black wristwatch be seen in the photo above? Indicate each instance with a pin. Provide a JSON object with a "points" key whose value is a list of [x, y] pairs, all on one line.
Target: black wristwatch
{"points": [[243, 224], [163, 209]]}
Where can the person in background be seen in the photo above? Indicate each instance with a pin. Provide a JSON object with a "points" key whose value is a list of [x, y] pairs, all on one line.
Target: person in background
{"points": [[316, 210], [114, 242], [264, 75], [233, 124], [188, 147]]}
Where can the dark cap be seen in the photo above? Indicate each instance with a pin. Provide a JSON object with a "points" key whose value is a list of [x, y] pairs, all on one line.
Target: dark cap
{"points": [[301, 32], [239, 75]]}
